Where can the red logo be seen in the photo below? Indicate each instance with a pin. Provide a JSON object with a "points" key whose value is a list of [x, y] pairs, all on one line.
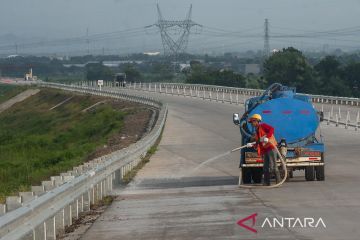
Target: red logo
{"points": [[241, 222]]}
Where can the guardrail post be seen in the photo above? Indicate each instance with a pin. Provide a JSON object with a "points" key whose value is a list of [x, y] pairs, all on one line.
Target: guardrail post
{"points": [[101, 189], [93, 195], [2, 209], [45, 236], [337, 120], [106, 186], [77, 208], [70, 214], [88, 200], [332, 112], [122, 170], [348, 120], [82, 203], [109, 178], [191, 95], [339, 113], [97, 192], [54, 227], [210, 96], [111, 181], [117, 177], [63, 219], [217, 95], [223, 95], [328, 120], [204, 93]]}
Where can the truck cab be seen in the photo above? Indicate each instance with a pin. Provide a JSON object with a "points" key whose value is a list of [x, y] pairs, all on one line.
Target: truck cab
{"points": [[120, 79], [296, 123]]}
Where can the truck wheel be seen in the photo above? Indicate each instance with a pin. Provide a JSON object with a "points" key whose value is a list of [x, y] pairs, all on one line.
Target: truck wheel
{"points": [[246, 175], [320, 173], [257, 175], [310, 173]]}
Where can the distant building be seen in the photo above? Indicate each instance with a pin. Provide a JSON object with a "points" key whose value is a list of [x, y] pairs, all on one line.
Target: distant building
{"points": [[29, 76], [252, 68]]}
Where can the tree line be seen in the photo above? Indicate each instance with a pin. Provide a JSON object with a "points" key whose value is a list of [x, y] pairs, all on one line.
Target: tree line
{"points": [[289, 67], [330, 75]]}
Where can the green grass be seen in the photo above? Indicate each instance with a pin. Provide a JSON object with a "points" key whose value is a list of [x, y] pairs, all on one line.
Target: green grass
{"points": [[8, 91], [36, 143]]}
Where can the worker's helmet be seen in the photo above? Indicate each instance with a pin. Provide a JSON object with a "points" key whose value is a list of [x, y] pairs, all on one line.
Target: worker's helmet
{"points": [[255, 117]]}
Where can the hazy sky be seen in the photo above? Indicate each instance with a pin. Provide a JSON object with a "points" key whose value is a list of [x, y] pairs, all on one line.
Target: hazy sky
{"points": [[53, 19]]}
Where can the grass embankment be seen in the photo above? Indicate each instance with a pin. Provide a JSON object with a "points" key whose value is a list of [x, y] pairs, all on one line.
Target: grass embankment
{"points": [[9, 91], [36, 142]]}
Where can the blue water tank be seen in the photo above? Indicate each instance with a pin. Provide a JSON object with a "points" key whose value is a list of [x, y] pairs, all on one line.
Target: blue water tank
{"points": [[292, 119]]}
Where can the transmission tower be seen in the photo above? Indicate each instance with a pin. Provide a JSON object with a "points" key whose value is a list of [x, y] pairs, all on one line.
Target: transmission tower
{"points": [[174, 33], [266, 39], [88, 41]]}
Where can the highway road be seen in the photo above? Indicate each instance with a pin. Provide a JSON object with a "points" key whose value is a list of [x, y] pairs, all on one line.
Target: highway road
{"points": [[175, 196]]}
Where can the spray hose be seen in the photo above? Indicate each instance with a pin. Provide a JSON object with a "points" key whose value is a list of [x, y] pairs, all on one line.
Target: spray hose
{"points": [[283, 164]]}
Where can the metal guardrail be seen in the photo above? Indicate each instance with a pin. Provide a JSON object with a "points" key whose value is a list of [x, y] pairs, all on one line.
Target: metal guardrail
{"points": [[258, 92], [239, 96], [229, 90], [47, 215]]}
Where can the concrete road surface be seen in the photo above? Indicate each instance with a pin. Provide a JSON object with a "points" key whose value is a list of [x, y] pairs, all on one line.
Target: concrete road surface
{"points": [[175, 196]]}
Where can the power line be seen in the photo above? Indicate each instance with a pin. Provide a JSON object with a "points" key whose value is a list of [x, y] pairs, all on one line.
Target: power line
{"points": [[78, 40], [175, 45]]}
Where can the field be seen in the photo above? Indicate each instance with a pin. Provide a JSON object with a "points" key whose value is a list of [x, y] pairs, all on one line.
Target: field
{"points": [[36, 142]]}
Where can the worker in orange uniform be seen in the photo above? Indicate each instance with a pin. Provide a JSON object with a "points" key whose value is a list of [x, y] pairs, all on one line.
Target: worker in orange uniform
{"points": [[265, 143]]}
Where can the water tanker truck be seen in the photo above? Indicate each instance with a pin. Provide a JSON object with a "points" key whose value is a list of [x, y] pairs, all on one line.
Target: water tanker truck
{"points": [[296, 123]]}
